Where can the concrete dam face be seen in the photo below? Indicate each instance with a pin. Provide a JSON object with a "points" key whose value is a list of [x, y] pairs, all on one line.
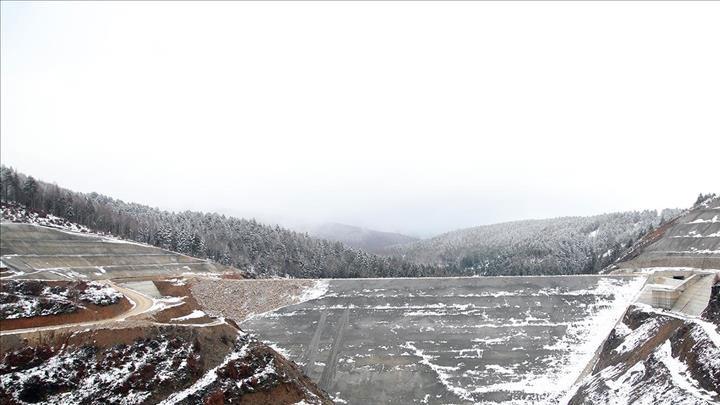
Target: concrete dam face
{"points": [[450, 340]]}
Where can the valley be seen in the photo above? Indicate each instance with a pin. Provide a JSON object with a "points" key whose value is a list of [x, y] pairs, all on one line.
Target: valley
{"points": [[189, 330]]}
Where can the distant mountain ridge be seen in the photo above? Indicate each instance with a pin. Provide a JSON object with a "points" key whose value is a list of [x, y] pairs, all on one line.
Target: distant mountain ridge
{"points": [[357, 237], [565, 245], [569, 245]]}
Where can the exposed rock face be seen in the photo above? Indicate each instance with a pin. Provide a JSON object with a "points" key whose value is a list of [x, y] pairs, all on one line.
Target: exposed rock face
{"points": [[712, 312], [655, 358], [173, 365]]}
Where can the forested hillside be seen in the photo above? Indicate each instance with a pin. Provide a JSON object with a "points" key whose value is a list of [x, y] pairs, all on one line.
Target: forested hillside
{"points": [[566, 245], [246, 244]]}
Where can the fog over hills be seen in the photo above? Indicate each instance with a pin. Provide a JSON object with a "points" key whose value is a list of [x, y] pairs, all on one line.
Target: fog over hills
{"points": [[568, 245], [360, 238]]}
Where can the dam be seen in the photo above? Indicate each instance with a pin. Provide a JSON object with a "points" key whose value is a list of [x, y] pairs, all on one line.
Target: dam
{"points": [[450, 340]]}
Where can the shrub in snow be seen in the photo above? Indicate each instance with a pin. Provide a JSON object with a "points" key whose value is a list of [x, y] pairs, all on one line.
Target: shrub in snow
{"points": [[26, 299], [29, 298], [18, 213], [100, 294]]}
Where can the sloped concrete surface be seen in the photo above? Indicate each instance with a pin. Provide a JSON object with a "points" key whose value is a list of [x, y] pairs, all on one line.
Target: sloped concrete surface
{"points": [[692, 241], [43, 253], [450, 340]]}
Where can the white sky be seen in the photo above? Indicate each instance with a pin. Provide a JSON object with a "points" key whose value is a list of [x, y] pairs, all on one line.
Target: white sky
{"points": [[413, 117]]}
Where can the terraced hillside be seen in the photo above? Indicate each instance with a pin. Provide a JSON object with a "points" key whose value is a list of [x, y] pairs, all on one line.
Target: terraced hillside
{"points": [[55, 254], [691, 240]]}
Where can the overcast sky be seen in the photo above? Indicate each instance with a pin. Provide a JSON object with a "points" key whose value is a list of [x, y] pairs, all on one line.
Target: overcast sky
{"points": [[412, 117]]}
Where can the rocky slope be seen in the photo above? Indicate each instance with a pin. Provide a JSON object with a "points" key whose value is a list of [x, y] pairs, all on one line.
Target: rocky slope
{"points": [[656, 357], [158, 364]]}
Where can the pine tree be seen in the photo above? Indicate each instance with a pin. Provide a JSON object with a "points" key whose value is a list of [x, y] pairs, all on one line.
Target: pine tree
{"points": [[29, 189]]}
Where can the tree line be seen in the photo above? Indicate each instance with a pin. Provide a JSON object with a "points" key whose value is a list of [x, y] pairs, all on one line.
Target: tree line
{"points": [[248, 245], [569, 245]]}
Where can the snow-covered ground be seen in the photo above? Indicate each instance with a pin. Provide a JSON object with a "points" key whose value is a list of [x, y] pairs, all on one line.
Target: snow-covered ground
{"points": [[645, 364], [20, 214], [28, 298]]}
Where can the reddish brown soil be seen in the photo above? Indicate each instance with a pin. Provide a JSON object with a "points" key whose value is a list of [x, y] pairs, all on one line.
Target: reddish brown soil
{"points": [[684, 347], [168, 289], [238, 381], [234, 276], [90, 313]]}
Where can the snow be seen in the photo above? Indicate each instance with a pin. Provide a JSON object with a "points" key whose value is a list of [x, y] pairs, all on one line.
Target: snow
{"points": [[160, 304], [651, 270], [52, 299], [701, 251], [316, 291], [708, 327], [99, 379], [592, 332], [336, 399], [621, 388], [279, 349], [575, 349], [208, 275], [714, 220], [681, 376], [622, 330], [691, 234], [24, 307], [211, 376], [636, 337], [206, 379], [193, 315], [443, 372], [177, 282], [22, 215], [100, 294]]}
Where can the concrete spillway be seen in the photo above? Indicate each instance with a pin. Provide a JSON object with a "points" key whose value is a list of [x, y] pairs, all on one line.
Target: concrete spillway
{"points": [[452, 340]]}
